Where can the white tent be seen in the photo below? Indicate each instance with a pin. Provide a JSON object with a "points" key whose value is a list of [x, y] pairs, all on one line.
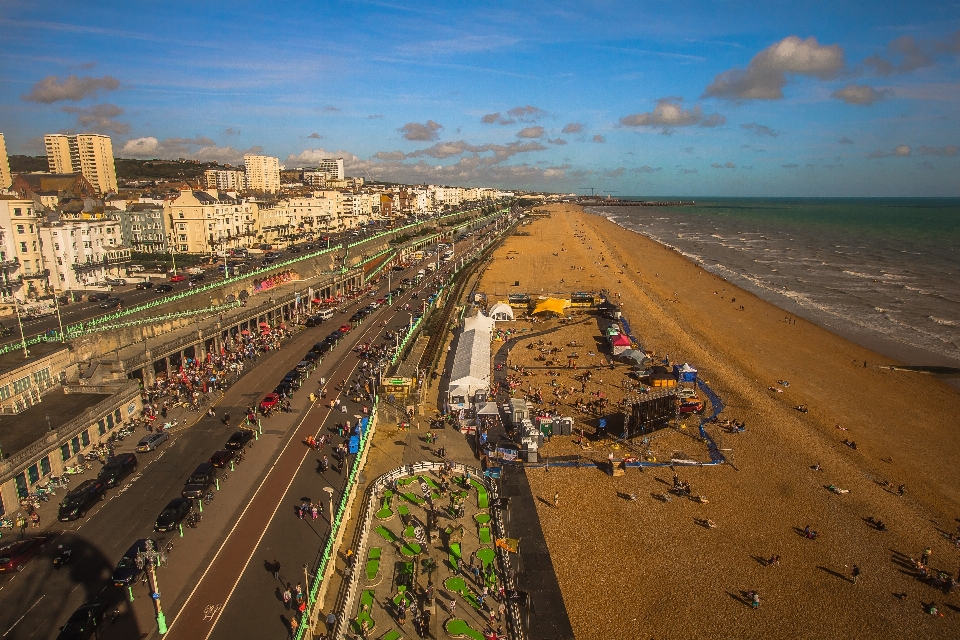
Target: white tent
{"points": [[501, 311], [478, 322], [470, 372]]}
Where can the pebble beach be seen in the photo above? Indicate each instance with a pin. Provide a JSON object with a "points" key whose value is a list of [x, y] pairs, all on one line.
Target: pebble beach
{"points": [[651, 568]]}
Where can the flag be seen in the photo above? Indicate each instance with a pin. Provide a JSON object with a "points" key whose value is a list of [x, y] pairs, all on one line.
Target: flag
{"points": [[510, 544]]}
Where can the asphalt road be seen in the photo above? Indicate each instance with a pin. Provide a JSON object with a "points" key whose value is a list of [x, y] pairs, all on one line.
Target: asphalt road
{"points": [[34, 603]]}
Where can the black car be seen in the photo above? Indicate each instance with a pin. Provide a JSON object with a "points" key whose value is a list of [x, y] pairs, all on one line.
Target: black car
{"points": [[197, 277], [163, 288], [127, 571], [239, 439], [222, 458], [97, 297], [305, 366], [76, 504], [313, 321], [199, 481], [312, 357], [294, 379], [117, 468], [173, 514], [284, 390], [357, 317], [84, 621], [145, 285], [111, 302]]}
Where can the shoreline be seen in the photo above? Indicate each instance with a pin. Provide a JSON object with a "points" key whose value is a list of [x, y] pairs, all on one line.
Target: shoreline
{"points": [[899, 352], [649, 551]]}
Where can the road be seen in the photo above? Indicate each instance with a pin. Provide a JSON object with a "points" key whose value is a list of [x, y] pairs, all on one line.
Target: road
{"points": [[35, 602]]}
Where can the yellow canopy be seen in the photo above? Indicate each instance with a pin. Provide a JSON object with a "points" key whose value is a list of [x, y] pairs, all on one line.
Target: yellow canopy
{"points": [[552, 305]]}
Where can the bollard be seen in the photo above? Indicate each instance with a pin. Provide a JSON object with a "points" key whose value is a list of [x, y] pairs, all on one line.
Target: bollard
{"points": [[256, 436], [181, 530], [217, 480], [130, 594], [231, 465], [200, 502], [259, 426]]}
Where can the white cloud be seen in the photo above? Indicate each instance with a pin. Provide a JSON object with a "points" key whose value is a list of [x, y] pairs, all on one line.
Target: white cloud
{"points": [[900, 151], [761, 130], [860, 94], [51, 89], [197, 148], [526, 114], [766, 74], [845, 140], [421, 132], [599, 139], [669, 113], [531, 132], [949, 150], [725, 165], [572, 127], [557, 141], [646, 169], [463, 44], [99, 118]]}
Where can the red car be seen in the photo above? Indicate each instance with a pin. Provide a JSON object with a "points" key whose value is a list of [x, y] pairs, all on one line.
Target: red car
{"points": [[269, 402], [14, 555], [222, 458], [177, 278], [344, 328], [691, 405]]}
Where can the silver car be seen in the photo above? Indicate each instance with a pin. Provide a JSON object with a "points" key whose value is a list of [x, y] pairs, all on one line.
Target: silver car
{"points": [[151, 441]]}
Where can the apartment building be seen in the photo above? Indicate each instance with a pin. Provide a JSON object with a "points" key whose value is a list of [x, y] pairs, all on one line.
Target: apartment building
{"points": [[262, 173], [22, 273], [83, 249], [225, 179], [206, 221], [333, 167], [142, 228], [5, 178], [90, 154]]}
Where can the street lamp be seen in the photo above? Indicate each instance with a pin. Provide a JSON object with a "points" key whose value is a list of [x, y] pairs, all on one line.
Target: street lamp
{"points": [[149, 559], [329, 491]]}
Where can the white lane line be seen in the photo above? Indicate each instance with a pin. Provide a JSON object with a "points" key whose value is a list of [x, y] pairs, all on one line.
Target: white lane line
{"points": [[7, 632], [253, 552]]}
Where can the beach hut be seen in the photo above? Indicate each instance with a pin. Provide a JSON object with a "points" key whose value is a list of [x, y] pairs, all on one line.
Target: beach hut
{"points": [[620, 343], [501, 311], [554, 306]]}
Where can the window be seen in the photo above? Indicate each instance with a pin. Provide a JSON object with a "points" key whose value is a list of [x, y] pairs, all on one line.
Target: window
{"points": [[4, 392], [21, 385], [45, 466], [85, 437], [75, 444], [56, 246], [33, 474], [23, 247], [59, 260], [20, 229], [181, 215], [17, 212], [41, 376], [65, 452]]}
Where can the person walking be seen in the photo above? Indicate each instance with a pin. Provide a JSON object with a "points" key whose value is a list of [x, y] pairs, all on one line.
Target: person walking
{"points": [[855, 574], [276, 569], [287, 597], [556, 499], [453, 605], [925, 558]]}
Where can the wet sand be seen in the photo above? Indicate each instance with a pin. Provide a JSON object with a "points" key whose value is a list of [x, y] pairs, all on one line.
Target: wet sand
{"points": [[645, 568]]}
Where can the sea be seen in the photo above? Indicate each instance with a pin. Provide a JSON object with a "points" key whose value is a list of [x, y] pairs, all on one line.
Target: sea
{"points": [[883, 272]]}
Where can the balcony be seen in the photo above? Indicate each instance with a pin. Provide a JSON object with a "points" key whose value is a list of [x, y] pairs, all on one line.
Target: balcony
{"points": [[40, 275], [10, 265]]}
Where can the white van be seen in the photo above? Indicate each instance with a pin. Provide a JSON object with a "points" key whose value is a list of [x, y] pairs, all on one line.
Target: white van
{"points": [[325, 314]]}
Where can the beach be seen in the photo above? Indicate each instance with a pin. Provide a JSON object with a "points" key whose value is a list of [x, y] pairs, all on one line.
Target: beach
{"points": [[644, 567]]}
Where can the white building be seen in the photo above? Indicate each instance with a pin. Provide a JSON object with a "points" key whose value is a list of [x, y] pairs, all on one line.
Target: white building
{"points": [[22, 272], [5, 178], [225, 179], [333, 167], [83, 249], [263, 173], [206, 221], [90, 154]]}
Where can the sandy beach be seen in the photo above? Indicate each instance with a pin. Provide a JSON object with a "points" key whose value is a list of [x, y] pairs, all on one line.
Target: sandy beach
{"points": [[646, 568]]}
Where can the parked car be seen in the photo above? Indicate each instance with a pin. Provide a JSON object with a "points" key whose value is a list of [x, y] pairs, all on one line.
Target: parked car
{"points": [[173, 514], [305, 366], [197, 277], [127, 571], [97, 297], [84, 622], [163, 288], [222, 458], [345, 328], [284, 389], [269, 402], [239, 439], [177, 278], [151, 441], [117, 468], [145, 285], [312, 357], [294, 379], [15, 554], [691, 405], [199, 481], [109, 303], [80, 500], [116, 281]]}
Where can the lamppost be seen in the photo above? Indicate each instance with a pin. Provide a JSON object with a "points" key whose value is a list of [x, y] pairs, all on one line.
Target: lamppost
{"points": [[329, 491], [149, 559]]}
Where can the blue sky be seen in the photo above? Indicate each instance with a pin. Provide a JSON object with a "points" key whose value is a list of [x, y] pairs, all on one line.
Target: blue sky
{"points": [[632, 98]]}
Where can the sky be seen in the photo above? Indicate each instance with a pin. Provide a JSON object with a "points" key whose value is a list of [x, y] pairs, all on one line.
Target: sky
{"points": [[671, 98]]}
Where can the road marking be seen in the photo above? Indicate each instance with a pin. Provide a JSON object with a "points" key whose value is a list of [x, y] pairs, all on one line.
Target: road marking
{"points": [[216, 616], [211, 610], [23, 616]]}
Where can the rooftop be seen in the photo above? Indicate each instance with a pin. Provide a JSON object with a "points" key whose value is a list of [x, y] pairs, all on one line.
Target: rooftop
{"points": [[17, 432], [15, 359]]}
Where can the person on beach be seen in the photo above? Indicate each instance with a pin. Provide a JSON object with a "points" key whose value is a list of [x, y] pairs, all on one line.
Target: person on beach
{"points": [[855, 574]]}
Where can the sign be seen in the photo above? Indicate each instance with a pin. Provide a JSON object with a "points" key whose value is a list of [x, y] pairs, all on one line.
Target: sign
{"points": [[397, 382], [492, 472]]}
